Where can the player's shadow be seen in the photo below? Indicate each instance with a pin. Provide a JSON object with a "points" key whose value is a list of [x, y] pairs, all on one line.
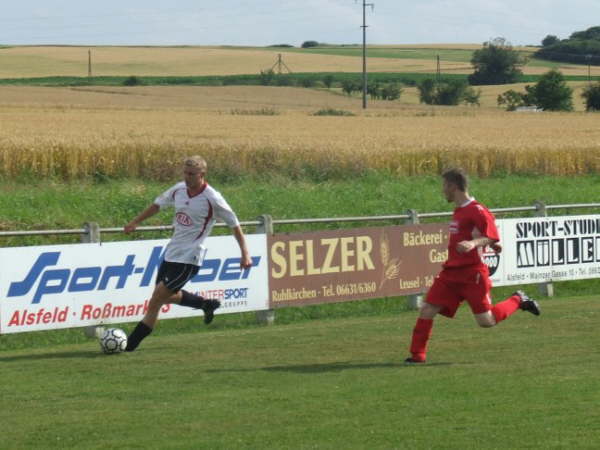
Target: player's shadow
{"points": [[59, 355], [342, 366], [332, 367]]}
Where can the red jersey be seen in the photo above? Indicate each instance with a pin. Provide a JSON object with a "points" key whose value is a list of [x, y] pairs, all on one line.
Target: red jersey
{"points": [[469, 221]]}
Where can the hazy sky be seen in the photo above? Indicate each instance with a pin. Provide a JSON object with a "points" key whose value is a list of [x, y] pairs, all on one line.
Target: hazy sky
{"points": [[265, 22]]}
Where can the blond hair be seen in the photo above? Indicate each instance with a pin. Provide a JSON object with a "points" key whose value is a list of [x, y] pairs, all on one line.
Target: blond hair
{"points": [[196, 162]]}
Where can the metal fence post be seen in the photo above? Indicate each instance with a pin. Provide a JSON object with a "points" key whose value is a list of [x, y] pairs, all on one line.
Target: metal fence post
{"points": [[266, 224], [416, 300], [546, 289], [265, 317], [91, 235]]}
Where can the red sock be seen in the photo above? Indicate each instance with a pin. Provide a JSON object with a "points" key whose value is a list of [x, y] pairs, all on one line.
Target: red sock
{"points": [[505, 308], [420, 336]]}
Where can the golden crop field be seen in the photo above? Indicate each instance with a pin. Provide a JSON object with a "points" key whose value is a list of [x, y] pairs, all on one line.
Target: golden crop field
{"points": [[17, 62], [144, 131], [31, 61]]}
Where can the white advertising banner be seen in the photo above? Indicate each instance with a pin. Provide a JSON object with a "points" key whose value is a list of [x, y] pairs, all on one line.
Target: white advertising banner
{"points": [[64, 286], [545, 249]]}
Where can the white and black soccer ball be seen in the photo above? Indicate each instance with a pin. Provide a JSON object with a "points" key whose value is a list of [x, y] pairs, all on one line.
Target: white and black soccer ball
{"points": [[113, 340]]}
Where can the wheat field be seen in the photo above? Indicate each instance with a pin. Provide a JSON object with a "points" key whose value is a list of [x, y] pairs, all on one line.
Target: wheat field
{"points": [[41, 61], [72, 133]]}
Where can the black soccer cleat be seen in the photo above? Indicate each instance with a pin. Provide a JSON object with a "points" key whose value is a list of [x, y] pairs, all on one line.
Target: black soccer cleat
{"points": [[411, 361], [209, 307], [528, 304]]}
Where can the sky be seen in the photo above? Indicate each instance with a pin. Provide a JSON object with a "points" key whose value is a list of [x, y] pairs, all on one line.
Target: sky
{"points": [[270, 22]]}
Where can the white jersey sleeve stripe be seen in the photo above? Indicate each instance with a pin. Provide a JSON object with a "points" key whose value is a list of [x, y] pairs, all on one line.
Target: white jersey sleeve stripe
{"points": [[207, 219]]}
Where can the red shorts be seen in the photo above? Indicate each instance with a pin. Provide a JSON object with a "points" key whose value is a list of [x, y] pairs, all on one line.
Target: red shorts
{"points": [[452, 286]]}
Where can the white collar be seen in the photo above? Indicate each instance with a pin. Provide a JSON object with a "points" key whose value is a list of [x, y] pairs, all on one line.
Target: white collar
{"points": [[472, 199]]}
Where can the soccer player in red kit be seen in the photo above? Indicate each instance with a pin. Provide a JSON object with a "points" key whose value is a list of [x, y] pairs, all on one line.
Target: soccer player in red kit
{"points": [[464, 275]]}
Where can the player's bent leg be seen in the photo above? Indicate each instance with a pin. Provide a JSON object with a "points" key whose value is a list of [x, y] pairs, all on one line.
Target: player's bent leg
{"points": [[160, 296], [195, 301], [428, 310], [486, 319], [528, 304]]}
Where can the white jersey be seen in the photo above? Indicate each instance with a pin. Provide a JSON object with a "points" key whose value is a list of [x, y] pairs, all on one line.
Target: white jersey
{"points": [[194, 219]]}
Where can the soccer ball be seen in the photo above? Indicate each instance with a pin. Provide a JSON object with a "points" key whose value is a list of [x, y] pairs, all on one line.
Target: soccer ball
{"points": [[113, 340]]}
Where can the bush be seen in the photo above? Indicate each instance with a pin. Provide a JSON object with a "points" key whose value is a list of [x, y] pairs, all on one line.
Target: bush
{"points": [[550, 93], [328, 81], [333, 112], [307, 82], [513, 100], [591, 94], [285, 80], [267, 77], [254, 112], [309, 44], [391, 91], [133, 81], [350, 86], [450, 92], [471, 96]]}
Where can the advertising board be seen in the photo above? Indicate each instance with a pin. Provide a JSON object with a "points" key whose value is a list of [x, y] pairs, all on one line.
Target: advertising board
{"points": [[76, 285]]}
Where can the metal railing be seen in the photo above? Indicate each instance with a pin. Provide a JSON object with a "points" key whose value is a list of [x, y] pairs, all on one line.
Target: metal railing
{"points": [[90, 232]]}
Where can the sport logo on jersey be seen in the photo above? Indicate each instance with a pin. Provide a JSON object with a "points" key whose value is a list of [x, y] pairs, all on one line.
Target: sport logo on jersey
{"points": [[183, 219], [453, 227]]}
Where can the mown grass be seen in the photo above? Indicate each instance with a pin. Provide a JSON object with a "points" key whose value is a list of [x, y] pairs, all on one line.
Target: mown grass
{"points": [[339, 383]]}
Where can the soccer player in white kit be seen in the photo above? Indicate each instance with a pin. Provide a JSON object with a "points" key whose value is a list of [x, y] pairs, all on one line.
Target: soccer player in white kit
{"points": [[197, 206]]}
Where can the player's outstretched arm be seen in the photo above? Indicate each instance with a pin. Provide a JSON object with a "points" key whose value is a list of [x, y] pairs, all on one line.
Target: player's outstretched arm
{"points": [[148, 212], [246, 261], [467, 246]]}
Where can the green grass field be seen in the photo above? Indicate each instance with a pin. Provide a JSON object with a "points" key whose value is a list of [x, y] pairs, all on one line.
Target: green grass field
{"points": [[25, 205], [339, 383], [325, 376]]}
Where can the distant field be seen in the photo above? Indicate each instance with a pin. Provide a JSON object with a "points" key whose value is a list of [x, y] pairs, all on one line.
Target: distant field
{"points": [[328, 384], [143, 131], [26, 62]]}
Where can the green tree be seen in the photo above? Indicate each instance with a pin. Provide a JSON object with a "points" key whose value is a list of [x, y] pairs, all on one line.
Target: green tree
{"points": [[591, 94], [551, 92], [496, 63], [328, 80], [426, 90], [550, 40], [309, 44], [592, 33], [349, 86], [391, 91], [513, 100]]}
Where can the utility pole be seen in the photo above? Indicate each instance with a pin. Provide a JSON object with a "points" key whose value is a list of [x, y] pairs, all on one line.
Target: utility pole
{"points": [[364, 27], [438, 71], [89, 63], [279, 64]]}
